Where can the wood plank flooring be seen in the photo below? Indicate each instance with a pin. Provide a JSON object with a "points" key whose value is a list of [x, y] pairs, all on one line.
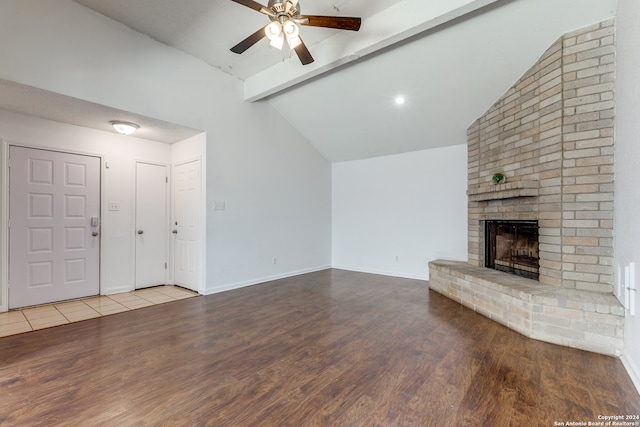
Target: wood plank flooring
{"points": [[332, 348]]}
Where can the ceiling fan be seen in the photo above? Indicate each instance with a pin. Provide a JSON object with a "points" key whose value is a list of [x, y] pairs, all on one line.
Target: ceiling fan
{"points": [[285, 18]]}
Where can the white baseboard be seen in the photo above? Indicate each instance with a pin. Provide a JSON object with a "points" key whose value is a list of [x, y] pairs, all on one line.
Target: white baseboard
{"points": [[382, 272], [632, 369], [257, 281]]}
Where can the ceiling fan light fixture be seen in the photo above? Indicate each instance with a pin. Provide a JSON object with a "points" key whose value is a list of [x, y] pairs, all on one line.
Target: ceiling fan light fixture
{"points": [[277, 42], [273, 32], [124, 128], [292, 32], [291, 29]]}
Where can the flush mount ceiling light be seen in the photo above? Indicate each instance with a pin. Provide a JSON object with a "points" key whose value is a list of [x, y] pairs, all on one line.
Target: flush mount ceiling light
{"points": [[285, 20], [124, 128], [400, 100]]}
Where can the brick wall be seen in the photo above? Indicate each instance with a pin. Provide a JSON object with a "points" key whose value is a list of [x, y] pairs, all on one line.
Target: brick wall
{"points": [[551, 135]]}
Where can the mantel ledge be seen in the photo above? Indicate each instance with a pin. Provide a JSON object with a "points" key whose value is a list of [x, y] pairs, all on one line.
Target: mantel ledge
{"points": [[506, 190]]}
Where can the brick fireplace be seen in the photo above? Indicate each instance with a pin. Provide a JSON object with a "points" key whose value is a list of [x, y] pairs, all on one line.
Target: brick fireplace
{"points": [[552, 137]]}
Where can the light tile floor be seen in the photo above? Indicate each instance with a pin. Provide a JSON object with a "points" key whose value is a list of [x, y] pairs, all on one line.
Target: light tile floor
{"points": [[46, 316]]}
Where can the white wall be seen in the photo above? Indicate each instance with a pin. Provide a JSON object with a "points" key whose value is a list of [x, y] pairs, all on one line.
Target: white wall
{"points": [[121, 153], [275, 185], [627, 177], [411, 206], [277, 195]]}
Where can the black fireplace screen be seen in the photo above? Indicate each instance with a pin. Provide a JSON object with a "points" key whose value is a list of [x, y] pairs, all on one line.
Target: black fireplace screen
{"points": [[512, 246]]}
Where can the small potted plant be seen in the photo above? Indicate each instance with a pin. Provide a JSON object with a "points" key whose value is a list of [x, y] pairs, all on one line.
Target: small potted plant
{"points": [[498, 178]]}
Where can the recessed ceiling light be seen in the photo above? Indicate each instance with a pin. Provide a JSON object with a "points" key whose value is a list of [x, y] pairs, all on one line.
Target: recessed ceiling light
{"points": [[400, 100], [125, 128]]}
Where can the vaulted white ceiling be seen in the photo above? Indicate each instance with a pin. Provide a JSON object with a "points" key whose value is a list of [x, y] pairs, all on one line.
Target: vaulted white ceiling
{"points": [[451, 59]]}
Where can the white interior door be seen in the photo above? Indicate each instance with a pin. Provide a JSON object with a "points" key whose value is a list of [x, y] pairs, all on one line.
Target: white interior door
{"points": [[186, 224], [151, 225], [54, 245]]}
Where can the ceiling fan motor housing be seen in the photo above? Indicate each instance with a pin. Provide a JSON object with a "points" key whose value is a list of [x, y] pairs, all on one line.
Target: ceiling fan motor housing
{"points": [[279, 8]]}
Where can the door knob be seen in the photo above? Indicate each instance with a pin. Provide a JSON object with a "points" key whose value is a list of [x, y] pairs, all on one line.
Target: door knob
{"points": [[175, 231], [95, 233], [140, 231]]}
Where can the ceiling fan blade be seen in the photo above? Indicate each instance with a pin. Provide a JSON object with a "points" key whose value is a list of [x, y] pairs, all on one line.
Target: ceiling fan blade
{"points": [[303, 53], [249, 41], [250, 3], [337, 22]]}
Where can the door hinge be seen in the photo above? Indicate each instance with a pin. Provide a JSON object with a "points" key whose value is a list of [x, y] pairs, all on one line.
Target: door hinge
{"points": [[165, 265], [166, 179]]}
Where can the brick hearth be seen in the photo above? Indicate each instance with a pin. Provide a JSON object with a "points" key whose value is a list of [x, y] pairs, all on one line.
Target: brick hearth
{"points": [[573, 318]]}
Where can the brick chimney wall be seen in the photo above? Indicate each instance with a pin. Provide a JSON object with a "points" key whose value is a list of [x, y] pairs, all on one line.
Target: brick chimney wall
{"points": [[551, 135]]}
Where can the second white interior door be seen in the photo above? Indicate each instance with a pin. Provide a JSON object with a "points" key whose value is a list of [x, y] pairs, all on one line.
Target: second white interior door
{"points": [[186, 224], [151, 225]]}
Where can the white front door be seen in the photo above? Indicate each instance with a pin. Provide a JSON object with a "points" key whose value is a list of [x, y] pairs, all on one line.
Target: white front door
{"points": [[186, 224], [54, 244], [151, 225]]}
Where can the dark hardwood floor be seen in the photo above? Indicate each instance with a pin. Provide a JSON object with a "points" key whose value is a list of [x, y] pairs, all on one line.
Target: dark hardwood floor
{"points": [[332, 348]]}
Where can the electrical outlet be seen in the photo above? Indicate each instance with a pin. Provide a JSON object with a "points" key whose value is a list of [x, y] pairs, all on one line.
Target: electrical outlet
{"points": [[114, 206]]}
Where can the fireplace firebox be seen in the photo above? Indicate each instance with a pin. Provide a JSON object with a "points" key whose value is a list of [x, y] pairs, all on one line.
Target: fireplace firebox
{"points": [[512, 247]]}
